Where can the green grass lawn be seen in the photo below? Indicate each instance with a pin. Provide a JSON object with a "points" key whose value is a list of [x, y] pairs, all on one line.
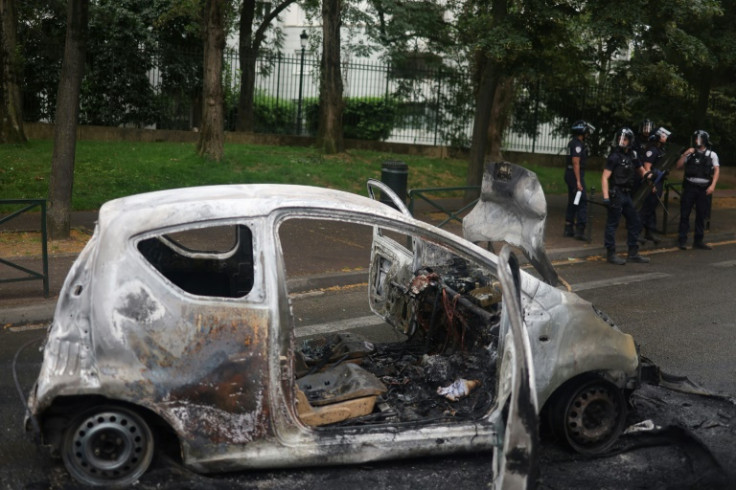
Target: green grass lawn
{"points": [[106, 170]]}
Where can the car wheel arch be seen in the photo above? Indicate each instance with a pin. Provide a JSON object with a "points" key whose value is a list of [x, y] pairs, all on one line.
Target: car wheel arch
{"points": [[64, 409]]}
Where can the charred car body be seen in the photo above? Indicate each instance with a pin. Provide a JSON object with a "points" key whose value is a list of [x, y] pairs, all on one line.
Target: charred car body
{"points": [[183, 315]]}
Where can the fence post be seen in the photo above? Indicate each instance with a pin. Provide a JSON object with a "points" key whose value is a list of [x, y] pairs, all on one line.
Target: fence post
{"points": [[536, 118], [437, 109], [278, 78]]}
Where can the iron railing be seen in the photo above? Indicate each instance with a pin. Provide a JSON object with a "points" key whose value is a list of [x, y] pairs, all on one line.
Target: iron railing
{"points": [[427, 195], [30, 275]]}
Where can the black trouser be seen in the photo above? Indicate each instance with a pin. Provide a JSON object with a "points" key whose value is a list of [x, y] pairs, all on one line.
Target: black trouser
{"points": [[648, 212], [581, 210], [693, 195], [622, 204]]}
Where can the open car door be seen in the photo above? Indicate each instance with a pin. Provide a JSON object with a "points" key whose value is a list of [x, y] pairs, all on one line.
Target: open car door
{"points": [[515, 461], [390, 269]]}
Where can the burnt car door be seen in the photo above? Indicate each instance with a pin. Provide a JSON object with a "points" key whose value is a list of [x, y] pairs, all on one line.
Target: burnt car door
{"points": [[515, 464], [391, 268]]}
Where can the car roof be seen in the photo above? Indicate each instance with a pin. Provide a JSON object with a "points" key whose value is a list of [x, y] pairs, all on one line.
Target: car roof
{"points": [[143, 212]]}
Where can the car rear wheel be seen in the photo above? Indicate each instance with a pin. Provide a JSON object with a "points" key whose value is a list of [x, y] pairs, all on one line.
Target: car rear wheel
{"points": [[588, 415], [107, 446]]}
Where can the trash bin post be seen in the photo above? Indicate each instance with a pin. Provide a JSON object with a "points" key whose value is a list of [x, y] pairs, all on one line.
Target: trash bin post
{"points": [[394, 174]]}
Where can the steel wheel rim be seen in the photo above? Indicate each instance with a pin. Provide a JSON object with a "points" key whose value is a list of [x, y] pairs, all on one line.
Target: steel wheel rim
{"points": [[111, 446], [592, 416]]}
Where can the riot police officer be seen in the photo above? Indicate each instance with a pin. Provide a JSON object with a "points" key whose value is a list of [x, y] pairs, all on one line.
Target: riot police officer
{"points": [[576, 215], [701, 174], [650, 158], [645, 131], [617, 183]]}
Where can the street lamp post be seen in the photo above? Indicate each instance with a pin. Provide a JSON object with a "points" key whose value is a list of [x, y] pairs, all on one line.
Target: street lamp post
{"points": [[303, 40]]}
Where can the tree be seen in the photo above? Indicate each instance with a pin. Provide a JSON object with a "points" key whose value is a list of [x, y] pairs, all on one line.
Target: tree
{"points": [[251, 41], [331, 104], [179, 33], [506, 36], [212, 134], [11, 104], [41, 33], [67, 116], [120, 54]]}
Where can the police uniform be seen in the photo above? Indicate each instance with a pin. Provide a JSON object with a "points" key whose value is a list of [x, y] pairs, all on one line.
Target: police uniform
{"points": [[652, 155], [699, 168], [576, 216], [623, 168]]}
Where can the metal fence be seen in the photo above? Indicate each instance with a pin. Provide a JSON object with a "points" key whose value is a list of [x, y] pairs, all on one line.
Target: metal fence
{"points": [[415, 103]]}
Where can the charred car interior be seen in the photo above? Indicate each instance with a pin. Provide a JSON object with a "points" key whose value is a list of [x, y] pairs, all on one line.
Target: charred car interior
{"points": [[435, 357]]}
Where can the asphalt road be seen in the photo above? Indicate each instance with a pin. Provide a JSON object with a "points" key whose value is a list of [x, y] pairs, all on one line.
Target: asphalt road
{"points": [[679, 309]]}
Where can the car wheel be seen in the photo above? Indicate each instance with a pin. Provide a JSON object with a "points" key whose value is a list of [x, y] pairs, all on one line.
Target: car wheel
{"points": [[588, 415], [107, 446]]}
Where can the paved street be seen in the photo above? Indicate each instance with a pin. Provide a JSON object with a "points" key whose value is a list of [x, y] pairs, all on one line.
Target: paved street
{"points": [[679, 309]]}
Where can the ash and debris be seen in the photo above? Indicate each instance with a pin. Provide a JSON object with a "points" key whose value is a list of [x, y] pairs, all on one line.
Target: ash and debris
{"points": [[412, 379]]}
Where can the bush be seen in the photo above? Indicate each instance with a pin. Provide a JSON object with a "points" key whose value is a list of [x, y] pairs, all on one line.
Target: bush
{"points": [[271, 115], [369, 118], [364, 118]]}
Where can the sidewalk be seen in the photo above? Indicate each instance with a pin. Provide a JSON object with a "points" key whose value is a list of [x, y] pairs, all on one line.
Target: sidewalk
{"points": [[23, 302]]}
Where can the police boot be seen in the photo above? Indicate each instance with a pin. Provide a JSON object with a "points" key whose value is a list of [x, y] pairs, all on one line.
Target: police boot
{"points": [[580, 234], [614, 259], [635, 257], [568, 230], [702, 245], [652, 237]]}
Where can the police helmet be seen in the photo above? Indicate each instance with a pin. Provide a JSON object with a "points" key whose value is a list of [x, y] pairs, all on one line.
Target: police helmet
{"points": [[582, 127], [623, 138], [658, 133], [700, 138], [647, 125]]}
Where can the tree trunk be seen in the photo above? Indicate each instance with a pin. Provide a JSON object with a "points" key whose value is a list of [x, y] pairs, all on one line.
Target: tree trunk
{"points": [[212, 136], [499, 118], [330, 134], [489, 76], [67, 116], [11, 104], [248, 53], [250, 45], [486, 90]]}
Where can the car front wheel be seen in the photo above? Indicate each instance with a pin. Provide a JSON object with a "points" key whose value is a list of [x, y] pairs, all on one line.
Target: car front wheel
{"points": [[107, 446], [588, 414]]}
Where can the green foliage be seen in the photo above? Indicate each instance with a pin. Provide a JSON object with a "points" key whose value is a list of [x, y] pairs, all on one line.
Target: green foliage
{"points": [[365, 118], [273, 115], [369, 118], [41, 32], [116, 88], [106, 170]]}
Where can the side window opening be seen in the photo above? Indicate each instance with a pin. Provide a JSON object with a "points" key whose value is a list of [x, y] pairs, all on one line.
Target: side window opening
{"points": [[214, 261], [389, 341]]}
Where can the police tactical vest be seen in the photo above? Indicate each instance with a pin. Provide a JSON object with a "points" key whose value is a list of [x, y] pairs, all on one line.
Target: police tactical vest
{"points": [[699, 165], [623, 173]]}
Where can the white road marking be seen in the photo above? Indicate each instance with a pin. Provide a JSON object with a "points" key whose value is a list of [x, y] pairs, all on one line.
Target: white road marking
{"points": [[618, 281], [340, 325], [726, 263]]}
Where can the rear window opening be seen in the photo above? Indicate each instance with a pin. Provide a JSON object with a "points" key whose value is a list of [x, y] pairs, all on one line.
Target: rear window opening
{"points": [[215, 261]]}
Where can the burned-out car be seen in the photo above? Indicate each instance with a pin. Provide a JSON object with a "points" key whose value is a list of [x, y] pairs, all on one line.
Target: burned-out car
{"points": [[197, 314]]}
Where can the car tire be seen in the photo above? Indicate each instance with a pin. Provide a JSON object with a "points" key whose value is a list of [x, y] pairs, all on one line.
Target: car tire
{"points": [[588, 414], [107, 446]]}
